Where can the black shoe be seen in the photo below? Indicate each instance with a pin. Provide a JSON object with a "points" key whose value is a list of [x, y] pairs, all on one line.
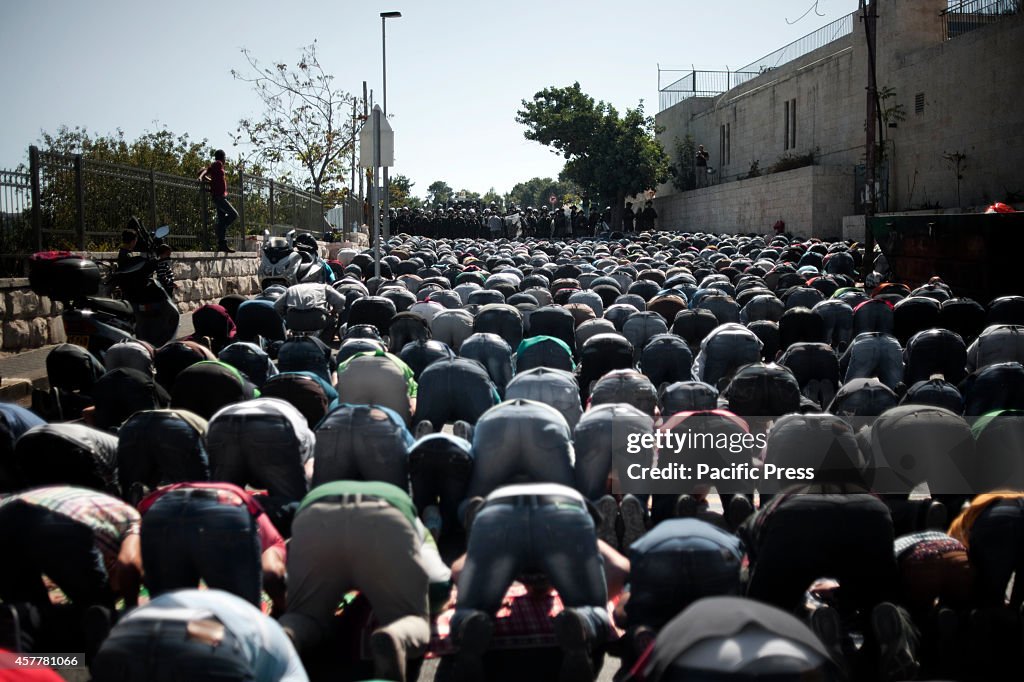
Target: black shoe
{"points": [[826, 625], [10, 629], [473, 639], [634, 520], [388, 656], [607, 530], [571, 632], [223, 246], [687, 507], [739, 509], [895, 656]]}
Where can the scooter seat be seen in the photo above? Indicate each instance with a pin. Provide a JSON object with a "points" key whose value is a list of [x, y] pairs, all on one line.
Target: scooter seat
{"points": [[111, 306]]}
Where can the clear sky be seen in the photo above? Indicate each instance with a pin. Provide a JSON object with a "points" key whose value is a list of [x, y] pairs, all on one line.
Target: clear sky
{"points": [[457, 69]]}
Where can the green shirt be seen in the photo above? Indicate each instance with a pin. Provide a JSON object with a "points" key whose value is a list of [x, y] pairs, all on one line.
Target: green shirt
{"points": [[391, 494]]}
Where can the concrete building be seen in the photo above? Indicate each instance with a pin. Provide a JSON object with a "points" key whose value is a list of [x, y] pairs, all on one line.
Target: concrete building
{"points": [[951, 87]]}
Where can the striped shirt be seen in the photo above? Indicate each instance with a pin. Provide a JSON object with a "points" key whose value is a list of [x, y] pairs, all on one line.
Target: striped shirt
{"points": [[109, 519]]}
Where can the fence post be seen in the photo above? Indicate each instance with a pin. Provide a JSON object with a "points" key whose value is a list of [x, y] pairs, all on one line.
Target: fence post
{"points": [[37, 212], [272, 221], [152, 199], [204, 208], [79, 202], [241, 201]]}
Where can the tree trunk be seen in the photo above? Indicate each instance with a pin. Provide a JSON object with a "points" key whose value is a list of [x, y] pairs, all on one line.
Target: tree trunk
{"points": [[617, 207]]}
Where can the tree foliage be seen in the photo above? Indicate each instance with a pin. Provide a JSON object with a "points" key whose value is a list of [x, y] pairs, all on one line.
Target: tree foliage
{"points": [[306, 130], [400, 193], [607, 155], [159, 150], [439, 192], [536, 192]]}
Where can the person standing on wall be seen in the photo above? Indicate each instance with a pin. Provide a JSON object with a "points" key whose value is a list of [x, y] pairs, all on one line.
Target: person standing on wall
{"points": [[702, 166], [226, 213]]}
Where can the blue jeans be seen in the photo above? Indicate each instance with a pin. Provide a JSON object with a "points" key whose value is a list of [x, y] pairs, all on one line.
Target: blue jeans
{"points": [[354, 443], [164, 651], [259, 451], [439, 469], [188, 535], [603, 431], [450, 390], [997, 550], [178, 455], [873, 354], [226, 214], [534, 534], [520, 441], [676, 564]]}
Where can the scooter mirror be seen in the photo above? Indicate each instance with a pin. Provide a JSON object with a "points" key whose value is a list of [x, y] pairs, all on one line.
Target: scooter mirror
{"points": [[162, 231]]}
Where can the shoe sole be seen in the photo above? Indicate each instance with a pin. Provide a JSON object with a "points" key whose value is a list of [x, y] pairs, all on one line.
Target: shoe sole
{"points": [[474, 640], [634, 521], [607, 529], [388, 663], [572, 637], [895, 661]]}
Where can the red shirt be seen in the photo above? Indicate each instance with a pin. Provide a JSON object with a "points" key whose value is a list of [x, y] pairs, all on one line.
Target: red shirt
{"points": [[218, 186]]}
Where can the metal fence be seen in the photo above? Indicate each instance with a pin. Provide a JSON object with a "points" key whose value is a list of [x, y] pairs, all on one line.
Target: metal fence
{"points": [[15, 228], [801, 46], [713, 83], [77, 203], [963, 17], [697, 84]]}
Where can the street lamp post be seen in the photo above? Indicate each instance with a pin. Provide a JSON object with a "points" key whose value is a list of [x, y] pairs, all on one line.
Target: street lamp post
{"points": [[384, 16]]}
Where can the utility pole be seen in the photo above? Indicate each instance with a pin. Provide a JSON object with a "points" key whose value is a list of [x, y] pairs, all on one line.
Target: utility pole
{"points": [[870, 17]]}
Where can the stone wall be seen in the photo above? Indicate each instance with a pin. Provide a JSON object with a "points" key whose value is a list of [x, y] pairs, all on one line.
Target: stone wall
{"points": [[31, 321], [811, 201]]}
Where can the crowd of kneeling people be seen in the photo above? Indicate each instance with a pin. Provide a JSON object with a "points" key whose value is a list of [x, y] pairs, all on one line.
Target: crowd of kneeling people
{"points": [[451, 441]]}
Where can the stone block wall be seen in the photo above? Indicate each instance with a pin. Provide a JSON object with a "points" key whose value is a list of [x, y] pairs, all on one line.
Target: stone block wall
{"points": [[810, 200], [31, 321]]}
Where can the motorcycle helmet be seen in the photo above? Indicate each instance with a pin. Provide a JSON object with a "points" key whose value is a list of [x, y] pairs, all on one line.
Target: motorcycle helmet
{"points": [[306, 242]]}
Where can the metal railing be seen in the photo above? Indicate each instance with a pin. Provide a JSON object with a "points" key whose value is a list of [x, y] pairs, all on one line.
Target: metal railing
{"points": [[798, 48], [698, 84], [16, 235], [78, 203], [963, 17], [713, 83]]}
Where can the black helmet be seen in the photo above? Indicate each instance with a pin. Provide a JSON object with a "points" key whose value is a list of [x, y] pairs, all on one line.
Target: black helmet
{"points": [[306, 242]]}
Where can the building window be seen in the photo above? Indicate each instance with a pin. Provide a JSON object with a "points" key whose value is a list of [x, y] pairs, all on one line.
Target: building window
{"points": [[919, 103], [789, 125]]}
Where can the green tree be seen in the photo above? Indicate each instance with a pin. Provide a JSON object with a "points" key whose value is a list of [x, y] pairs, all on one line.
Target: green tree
{"points": [[400, 193], [439, 192], [606, 154], [492, 197], [306, 130], [537, 192]]}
